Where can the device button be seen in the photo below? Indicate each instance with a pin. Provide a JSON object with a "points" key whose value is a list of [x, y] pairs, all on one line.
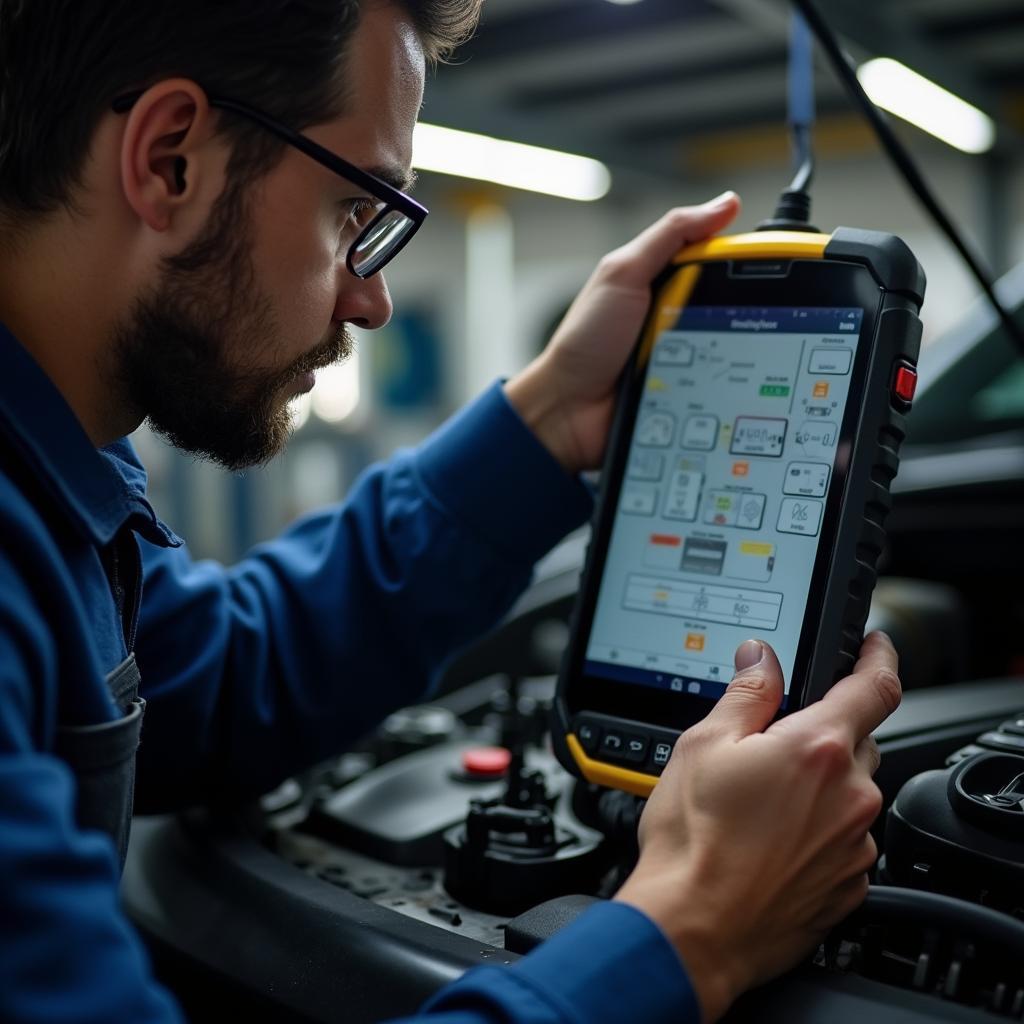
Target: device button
{"points": [[588, 734], [660, 755], [613, 744], [1002, 741], [486, 762], [834, 362], [624, 747], [635, 749], [904, 383], [1014, 725], [800, 516]]}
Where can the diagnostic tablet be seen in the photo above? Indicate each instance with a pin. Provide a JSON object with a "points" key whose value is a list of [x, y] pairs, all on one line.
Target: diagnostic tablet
{"points": [[745, 487]]}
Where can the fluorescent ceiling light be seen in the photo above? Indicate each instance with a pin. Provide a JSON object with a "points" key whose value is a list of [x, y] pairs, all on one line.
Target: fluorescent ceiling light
{"points": [[508, 163], [916, 99]]}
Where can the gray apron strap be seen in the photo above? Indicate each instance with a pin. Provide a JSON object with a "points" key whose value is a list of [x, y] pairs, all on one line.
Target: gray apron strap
{"points": [[102, 757]]}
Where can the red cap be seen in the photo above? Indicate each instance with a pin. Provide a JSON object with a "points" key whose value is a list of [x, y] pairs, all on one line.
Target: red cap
{"points": [[486, 762]]}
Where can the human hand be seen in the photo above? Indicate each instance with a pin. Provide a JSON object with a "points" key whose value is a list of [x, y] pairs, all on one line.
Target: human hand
{"points": [[754, 843], [567, 394]]}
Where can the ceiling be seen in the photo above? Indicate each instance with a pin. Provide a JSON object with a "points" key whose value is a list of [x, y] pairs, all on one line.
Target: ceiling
{"points": [[663, 86]]}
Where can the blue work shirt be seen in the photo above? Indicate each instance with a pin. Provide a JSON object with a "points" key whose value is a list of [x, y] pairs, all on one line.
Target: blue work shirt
{"points": [[252, 672]]}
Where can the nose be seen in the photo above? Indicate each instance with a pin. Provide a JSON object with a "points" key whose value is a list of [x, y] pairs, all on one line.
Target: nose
{"points": [[363, 303]]}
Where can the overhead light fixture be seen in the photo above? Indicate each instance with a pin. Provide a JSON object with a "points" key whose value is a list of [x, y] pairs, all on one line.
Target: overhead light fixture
{"points": [[896, 88], [513, 164]]}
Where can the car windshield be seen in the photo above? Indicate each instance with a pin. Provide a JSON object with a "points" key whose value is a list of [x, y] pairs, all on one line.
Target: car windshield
{"points": [[973, 377]]}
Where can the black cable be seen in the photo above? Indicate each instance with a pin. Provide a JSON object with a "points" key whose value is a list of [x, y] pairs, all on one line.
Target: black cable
{"points": [[932, 910], [902, 159]]}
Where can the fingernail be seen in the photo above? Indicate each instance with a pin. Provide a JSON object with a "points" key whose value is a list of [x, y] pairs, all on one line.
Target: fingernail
{"points": [[749, 654], [721, 200]]}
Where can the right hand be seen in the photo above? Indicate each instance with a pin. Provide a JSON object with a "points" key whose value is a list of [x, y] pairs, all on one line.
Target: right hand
{"points": [[755, 840]]}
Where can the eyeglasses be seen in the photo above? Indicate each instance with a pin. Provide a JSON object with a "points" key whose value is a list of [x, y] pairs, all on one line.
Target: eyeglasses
{"points": [[385, 225]]}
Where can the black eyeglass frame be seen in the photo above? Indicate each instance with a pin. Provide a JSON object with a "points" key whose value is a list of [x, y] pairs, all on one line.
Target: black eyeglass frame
{"points": [[393, 198]]}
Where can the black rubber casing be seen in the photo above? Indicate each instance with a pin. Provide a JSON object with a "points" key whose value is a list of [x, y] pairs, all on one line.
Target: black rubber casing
{"points": [[875, 457], [859, 537]]}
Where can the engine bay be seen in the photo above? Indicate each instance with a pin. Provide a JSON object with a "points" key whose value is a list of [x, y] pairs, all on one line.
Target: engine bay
{"points": [[451, 837]]}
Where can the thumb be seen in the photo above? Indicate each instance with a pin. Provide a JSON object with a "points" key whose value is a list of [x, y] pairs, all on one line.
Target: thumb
{"points": [[647, 254], [754, 695]]}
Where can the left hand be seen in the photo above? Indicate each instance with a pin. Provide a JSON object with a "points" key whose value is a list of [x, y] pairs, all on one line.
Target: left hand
{"points": [[567, 394]]}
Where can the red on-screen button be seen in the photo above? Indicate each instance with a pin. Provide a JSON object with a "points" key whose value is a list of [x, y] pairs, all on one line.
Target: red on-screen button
{"points": [[905, 384], [486, 762]]}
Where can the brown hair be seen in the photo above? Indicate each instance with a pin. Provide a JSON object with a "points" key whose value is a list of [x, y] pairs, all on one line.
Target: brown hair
{"points": [[62, 62]]}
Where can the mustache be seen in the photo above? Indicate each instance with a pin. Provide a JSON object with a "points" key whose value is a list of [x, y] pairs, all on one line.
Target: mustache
{"points": [[336, 347]]}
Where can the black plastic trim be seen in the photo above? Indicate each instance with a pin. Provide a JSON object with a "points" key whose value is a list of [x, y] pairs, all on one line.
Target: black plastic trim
{"points": [[206, 893], [889, 259]]}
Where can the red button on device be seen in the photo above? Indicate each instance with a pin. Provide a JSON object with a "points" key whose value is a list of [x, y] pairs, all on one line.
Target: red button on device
{"points": [[486, 762], [905, 384]]}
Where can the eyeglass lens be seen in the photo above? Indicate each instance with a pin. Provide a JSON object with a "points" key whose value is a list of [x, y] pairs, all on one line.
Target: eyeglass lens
{"points": [[381, 240]]}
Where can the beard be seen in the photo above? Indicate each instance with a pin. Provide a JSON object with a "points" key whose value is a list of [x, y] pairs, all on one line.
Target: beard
{"points": [[189, 355]]}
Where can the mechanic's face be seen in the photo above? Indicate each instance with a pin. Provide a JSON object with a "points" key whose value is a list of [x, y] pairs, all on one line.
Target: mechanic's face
{"points": [[238, 321]]}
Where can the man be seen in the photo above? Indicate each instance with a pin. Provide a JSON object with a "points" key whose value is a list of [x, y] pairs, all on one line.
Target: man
{"points": [[171, 250]]}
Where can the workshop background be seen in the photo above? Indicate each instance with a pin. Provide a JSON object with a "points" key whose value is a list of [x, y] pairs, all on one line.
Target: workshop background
{"points": [[678, 100]]}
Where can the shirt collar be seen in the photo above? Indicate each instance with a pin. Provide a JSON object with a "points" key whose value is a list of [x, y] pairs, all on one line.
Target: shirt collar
{"points": [[100, 490]]}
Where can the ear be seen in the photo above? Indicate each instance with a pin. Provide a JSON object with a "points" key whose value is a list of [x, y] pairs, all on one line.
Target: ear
{"points": [[164, 151]]}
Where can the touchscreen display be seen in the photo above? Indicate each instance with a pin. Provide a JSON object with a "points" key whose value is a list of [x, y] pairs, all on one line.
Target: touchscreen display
{"points": [[721, 509]]}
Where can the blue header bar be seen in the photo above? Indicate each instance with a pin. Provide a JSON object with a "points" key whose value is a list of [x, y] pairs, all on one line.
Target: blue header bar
{"points": [[772, 319]]}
